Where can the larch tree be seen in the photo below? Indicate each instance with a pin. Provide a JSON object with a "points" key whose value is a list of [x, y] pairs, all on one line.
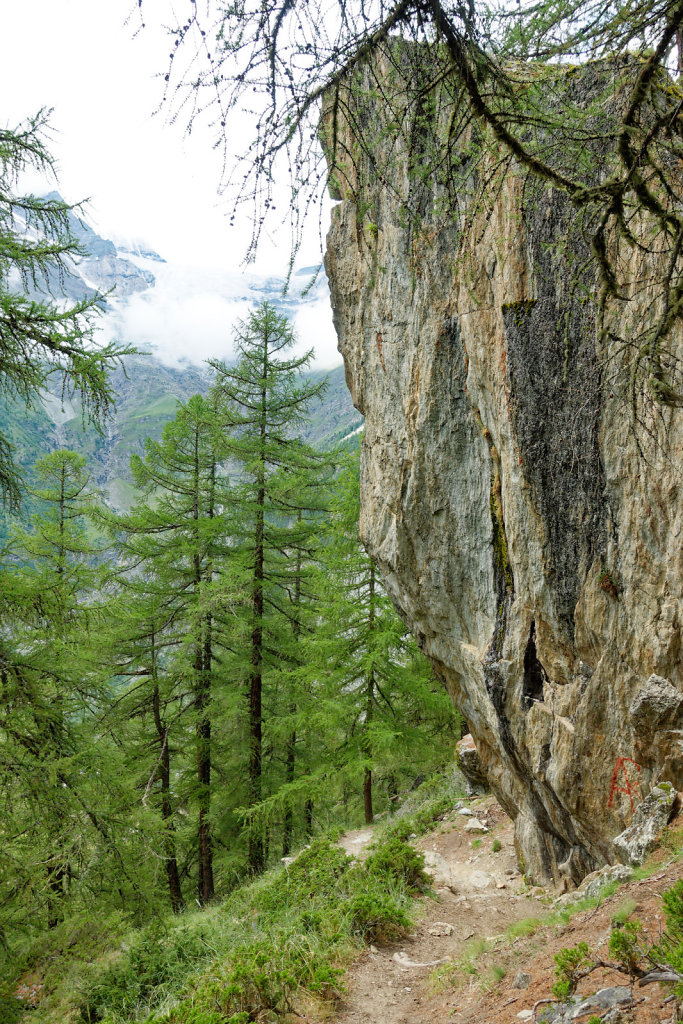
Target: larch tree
{"points": [[138, 649], [471, 93], [40, 336], [377, 703], [170, 544], [49, 685], [274, 494]]}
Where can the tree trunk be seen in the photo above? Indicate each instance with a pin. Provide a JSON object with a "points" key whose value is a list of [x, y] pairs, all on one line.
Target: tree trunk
{"points": [[392, 791], [255, 696], [256, 851], [172, 873], [288, 819], [55, 883], [369, 708], [367, 796], [291, 742], [204, 774], [202, 674]]}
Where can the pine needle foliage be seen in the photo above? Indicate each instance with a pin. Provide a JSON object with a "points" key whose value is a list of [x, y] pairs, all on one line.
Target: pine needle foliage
{"points": [[276, 497], [40, 336], [168, 627], [53, 781]]}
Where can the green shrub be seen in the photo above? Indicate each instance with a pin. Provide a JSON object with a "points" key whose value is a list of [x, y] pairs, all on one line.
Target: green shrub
{"points": [[157, 958], [376, 917], [671, 947], [430, 802], [249, 958], [397, 861], [497, 846], [623, 912], [570, 967], [624, 946], [672, 902], [11, 1008]]}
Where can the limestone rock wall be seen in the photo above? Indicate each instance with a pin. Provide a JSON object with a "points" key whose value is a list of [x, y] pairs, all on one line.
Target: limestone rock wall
{"points": [[533, 550]]}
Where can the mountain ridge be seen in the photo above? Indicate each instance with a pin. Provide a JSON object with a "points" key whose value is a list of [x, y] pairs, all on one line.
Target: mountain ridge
{"points": [[148, 388]]}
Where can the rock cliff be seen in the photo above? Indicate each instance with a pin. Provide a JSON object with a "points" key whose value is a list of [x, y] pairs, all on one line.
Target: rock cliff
{"points": [[529, 534]]}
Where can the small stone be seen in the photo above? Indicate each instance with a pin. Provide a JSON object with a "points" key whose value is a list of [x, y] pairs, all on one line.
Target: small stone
{"points": [[593, 883], [374, 949], [525, 1014], [510, 872], [500, 885], [521, 979], [466, 811], [474, 825], [441, 928], [605, 999]]}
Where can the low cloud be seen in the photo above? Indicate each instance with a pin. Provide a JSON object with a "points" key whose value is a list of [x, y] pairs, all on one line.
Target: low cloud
{"points": [[191, 313], [314, 329]]}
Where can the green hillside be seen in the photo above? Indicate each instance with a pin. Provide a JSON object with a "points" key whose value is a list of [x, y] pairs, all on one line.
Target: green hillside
{"points": [[148, 393]]}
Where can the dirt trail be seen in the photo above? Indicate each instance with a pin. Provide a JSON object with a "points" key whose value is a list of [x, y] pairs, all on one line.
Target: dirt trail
{"points": [[477, 896], [480, 893]]}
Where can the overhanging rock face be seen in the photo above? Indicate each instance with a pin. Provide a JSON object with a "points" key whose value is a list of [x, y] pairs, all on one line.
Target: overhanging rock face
{"points": [[535, 554]]}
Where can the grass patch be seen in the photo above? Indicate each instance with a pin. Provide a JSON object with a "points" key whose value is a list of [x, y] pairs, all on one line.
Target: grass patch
{"points": [[522, 929], [462, 969], [165, 405], [623, 912], [273, 946], [429, 803], [492, 977], [496, 846], [287, 933]]}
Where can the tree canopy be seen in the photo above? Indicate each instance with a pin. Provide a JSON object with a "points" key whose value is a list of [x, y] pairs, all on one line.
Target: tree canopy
{"points": [[40, 335]]}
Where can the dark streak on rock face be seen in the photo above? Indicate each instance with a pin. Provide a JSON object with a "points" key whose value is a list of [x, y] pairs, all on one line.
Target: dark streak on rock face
{"points": [[555, 390], [534, 674]]}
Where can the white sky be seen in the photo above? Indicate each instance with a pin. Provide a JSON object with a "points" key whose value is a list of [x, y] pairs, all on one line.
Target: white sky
{"points": [[145, 179]]}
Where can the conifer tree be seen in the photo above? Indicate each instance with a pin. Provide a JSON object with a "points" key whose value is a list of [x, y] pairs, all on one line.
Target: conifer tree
{"points": [[382, 708], [277, 491], [170, 544], [41, 336], [48, 681], [139, 648]]}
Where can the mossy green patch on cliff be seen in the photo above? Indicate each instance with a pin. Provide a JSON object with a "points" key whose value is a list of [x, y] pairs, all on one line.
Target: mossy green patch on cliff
{"points": [[607, 582], [519, 309]]}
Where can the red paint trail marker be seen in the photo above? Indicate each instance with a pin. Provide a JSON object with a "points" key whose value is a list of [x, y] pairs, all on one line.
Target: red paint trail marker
{"points": [[620, 766]]}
